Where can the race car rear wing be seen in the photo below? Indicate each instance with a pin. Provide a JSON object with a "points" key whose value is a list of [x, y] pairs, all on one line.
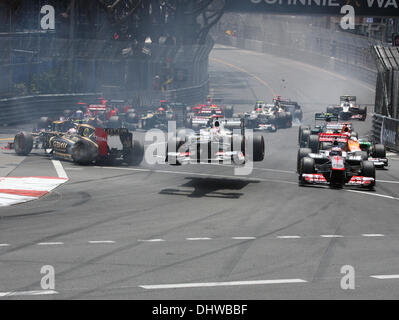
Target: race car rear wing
{"points": [[322, 116], [347, 98], [331, 137]]}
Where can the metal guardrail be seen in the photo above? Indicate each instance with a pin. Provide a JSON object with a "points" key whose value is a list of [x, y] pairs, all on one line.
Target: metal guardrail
{"points": [[30, 108], [385, 130]]}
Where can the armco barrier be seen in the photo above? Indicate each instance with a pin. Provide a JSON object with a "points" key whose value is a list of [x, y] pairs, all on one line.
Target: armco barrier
{"points": [[386, 131], [26, 109]]}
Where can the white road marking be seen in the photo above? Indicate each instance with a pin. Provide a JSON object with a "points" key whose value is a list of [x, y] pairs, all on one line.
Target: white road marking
{"points": [[289, 237], [374, 194], [59, 169], [243, 238], [386, 181], [198, 239], [390, 154], [152, 240], [331, 236], [4, 245], [27, 293], [101, 242], [50, 243], [221, 284], [386, 276], [372, 235]]}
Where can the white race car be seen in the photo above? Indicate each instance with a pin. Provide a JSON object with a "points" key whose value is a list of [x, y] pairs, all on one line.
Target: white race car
{"points": [[222, 141]]}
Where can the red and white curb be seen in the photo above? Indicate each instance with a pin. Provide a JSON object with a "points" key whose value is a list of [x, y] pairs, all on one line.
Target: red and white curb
{"points": [[14, 190]]}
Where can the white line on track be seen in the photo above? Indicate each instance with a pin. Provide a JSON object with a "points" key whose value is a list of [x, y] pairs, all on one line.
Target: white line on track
{"points": [[59, 169], [289, 237], [151, 240], [386, 276], [331, 236], [198, 239], [386, 181], [27, 293], [371, 235], [4, 245], [374, 194], [221, 284], [50, 243], [101, 242], [243, 238]]}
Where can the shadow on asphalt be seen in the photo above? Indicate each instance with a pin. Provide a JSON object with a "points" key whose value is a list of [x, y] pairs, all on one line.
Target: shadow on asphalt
{"points": [[210, 187]]}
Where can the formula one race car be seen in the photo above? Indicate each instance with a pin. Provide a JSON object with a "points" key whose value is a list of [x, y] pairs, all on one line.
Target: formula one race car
{"points": [[267, 117], [375, 153], [289, 106], [84, 145], [336, 166], [348, 109], [224, 141]]}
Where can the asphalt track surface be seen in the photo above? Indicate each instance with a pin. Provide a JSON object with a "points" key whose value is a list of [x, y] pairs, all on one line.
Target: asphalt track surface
{"points": [[199, 231]]}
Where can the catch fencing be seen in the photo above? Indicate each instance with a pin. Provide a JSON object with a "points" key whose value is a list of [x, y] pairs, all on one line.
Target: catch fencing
{"points": [[341, 52], [44, 64]]}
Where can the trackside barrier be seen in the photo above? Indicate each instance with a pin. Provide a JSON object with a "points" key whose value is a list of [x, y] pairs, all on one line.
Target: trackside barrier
{"points": [[386, 131], [25, 109]]}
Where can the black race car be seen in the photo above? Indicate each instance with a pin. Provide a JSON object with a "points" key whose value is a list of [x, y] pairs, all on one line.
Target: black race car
{"points": [[84, 145]]}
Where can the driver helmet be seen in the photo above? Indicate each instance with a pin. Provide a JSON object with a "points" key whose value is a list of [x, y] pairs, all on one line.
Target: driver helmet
{"points": [[79, 114], [161, 109], [72, 131]]}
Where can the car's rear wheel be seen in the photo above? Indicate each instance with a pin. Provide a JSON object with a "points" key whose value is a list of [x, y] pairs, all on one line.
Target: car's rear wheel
{"points": [[313, 143], [23, 143], [379, 151], [258, 146], [136, 154]]}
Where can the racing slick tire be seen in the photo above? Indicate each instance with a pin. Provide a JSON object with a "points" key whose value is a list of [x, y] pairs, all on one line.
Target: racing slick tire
{"points": [[114, 122], [258, 148], [306, 133], [83, 153], [177, 142], [136, 154], [44, 123], [307, 166], [298, 115], [23, 143], [289, 118], [300, 132], [313, 143], [379, 151], [363, 112], [368, 170], [302, 153]]}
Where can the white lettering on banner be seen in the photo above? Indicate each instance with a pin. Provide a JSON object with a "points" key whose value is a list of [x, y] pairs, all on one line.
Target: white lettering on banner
{"points": [[386, 4], [382, 3], [48, 20], [348, 21]]}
